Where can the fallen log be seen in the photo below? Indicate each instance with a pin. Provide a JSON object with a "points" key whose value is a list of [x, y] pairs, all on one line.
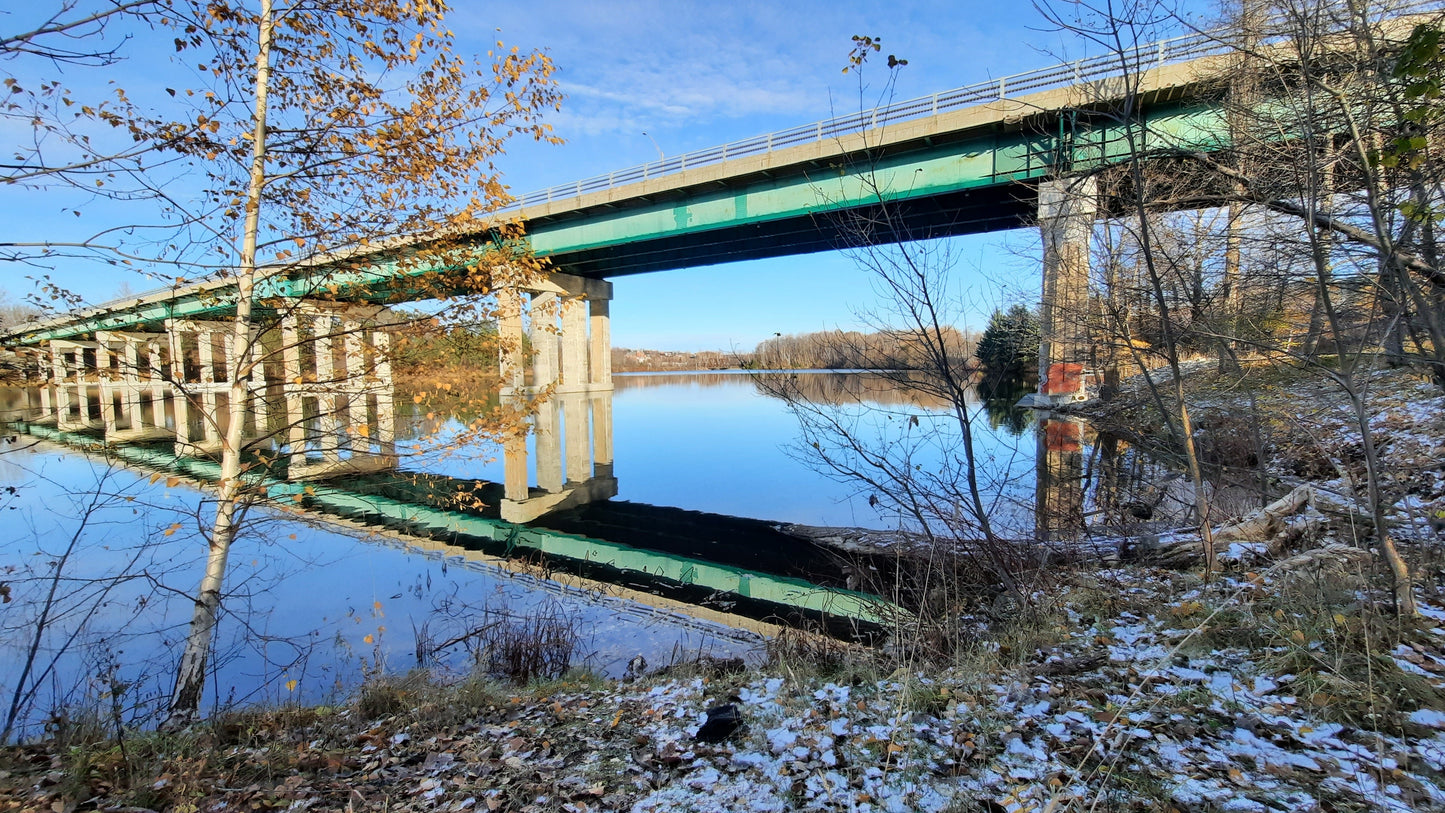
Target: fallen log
{"points": [[1263, 525], [1267, 532]]}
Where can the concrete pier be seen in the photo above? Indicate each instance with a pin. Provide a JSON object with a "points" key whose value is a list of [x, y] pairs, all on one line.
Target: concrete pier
{"points": [[134, 389], [338, 390], [567, 321], [568, 324], [1067, 207]]}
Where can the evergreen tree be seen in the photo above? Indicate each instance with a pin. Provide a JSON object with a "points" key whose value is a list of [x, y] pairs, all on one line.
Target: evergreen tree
{"points": [[1009, 349]]}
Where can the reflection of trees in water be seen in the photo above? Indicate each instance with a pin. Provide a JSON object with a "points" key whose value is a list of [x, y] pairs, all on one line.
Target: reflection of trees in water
{"points": [[1094, 482], [838, 389], [832, 388], [1006, 414], [14, 401], [1001, 397], [422, 407], [1109, 487]]}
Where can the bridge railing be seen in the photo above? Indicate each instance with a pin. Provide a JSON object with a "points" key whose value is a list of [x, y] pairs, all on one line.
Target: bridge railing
{"points": [[1065, 74], [1140, 58]]}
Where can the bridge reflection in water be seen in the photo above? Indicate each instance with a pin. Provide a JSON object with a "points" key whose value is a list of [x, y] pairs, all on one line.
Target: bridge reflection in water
{"points": [[323, 435], [334, 437]]}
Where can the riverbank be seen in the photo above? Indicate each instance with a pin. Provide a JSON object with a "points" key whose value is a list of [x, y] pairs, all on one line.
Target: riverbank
{"points": [[1138, 688], [1280, 429]]}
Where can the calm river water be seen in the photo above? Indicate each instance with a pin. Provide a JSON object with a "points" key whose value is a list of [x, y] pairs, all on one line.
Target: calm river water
{"points": [[312, 608]]}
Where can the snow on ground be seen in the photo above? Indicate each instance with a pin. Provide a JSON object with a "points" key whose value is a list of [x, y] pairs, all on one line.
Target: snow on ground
{"points": [[1156, 720], [1407, 423], [1137, 709]]}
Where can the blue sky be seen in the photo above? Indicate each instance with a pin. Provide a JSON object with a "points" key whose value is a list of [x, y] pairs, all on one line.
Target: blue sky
{"points": [[644, 76]]}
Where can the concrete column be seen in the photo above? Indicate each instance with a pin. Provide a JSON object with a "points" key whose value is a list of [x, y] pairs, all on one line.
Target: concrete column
{"points": [[574, 344], [602, 429], [112, 384], [181, 398], [292, 379], [599, 313], [211, 412], [351, 385], [259, 408], [578, 440], [45, 367], [117, 379], [328, 402], [57, 378], [545, 362], [514, 465], [82, 387], [73, 377], [158, 384], [385, 395], [206, 353], [130, 369], [509, 330], [321, 331], [549, 447], [1066, 218]]}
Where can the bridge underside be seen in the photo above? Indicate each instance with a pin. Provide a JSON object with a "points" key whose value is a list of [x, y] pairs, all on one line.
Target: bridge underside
{"points": [[968, 211]]}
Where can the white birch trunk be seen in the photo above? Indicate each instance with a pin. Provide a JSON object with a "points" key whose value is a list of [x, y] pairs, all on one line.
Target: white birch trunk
{"points": [[191, 673]]}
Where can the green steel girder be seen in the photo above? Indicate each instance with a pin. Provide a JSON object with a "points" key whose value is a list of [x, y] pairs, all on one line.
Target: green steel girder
{"points": [[988, 160]]}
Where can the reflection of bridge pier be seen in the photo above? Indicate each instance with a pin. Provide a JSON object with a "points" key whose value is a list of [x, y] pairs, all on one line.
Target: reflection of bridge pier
{"points": [[1059, 499], [337, 388], [572, 373], [202, 362], [134, 388], [573, 437], [75, 383]]}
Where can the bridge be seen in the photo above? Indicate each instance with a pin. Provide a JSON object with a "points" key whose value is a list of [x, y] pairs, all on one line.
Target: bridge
{"points": [[969, 160], [1000, 154]]}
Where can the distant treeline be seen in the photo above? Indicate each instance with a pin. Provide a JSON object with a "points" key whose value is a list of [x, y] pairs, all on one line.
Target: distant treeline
{"points": [[823, 350], [476, 345], [628, 360], [852, 350]]}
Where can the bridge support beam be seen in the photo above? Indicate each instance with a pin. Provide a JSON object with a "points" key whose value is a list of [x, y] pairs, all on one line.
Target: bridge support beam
{"points": [[75, 379], [38, 364], [1067, 208], [201, 363], [570, 335]]}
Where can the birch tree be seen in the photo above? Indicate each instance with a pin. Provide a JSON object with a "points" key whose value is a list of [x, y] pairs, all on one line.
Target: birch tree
{"points": [[367, 133]]}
